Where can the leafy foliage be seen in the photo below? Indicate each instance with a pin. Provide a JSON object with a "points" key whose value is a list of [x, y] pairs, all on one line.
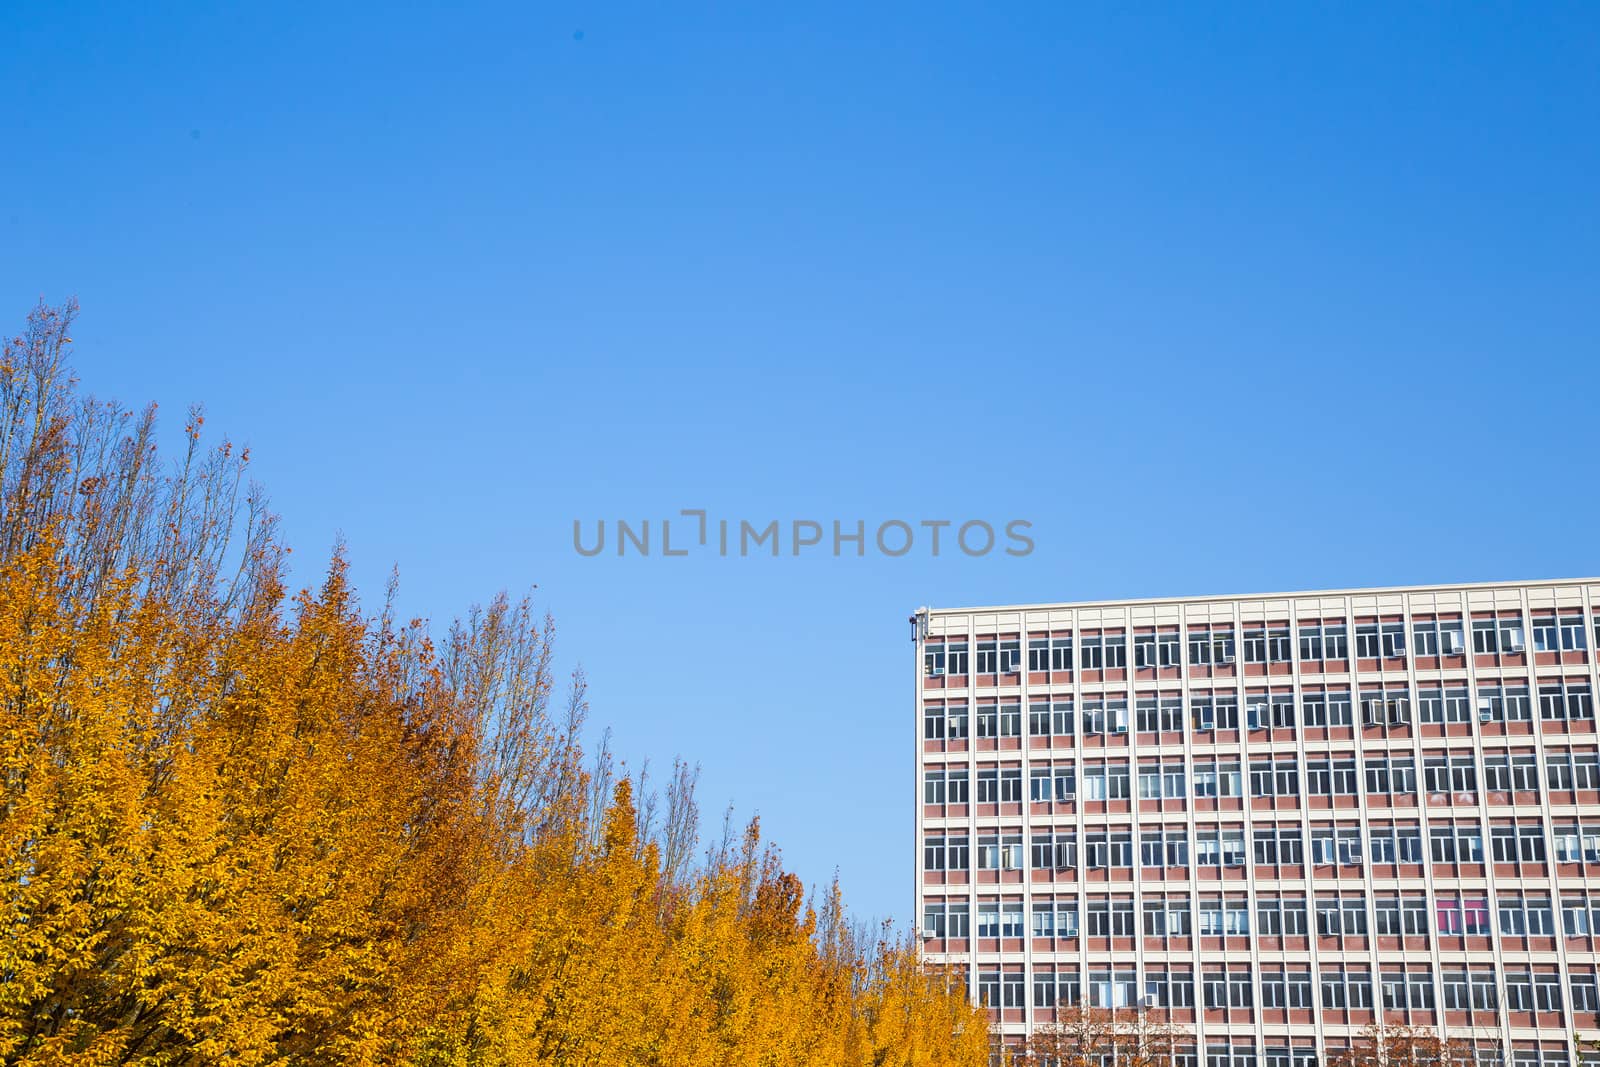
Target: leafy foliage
{"points": [[247, 827]]}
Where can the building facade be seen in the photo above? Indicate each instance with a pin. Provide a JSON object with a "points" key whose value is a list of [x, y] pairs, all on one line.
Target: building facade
{"points": [[1279, 818]]}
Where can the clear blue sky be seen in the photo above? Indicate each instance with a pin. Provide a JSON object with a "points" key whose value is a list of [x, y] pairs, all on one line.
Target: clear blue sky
{"points": [[1221, 299]]}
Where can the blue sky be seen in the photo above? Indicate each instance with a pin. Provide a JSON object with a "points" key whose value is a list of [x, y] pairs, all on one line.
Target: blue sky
{"points": [[1221, 299]]}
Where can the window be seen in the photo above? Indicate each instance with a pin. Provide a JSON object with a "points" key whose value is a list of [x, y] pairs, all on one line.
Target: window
{"points": [[1381, 846], [1255, 645], [1144, 650], [1566, 700], [1519, 990], [1425, 637], [1456, 843], [1386, 915], [1116, 651], [955, 717], [933, 660], [1511, 634], [1044, 989], [956, 658], [1090, 652], [1546, 637], [1055, 919], [1586, 771], [1169, 989], [1275, 994], [1385, 707], [1393, 984], [1050, 717], [1419, 989], [945, 787], [1394, 640], [1485, 995], [1335, 993], [1296, 917], [1395, 776], [1547, 991], [1349, 845], [1344, 777], [1520, 916], [1455, 774], [1327, 709], [988, 657], [1161, 715], [943, 919], [1497, 636], [1310, 642], [1408, 843], [1452, 637], [1585, 993], [1113, 989], [1239, 989], [1573, 638], [1010, 720], [1485, 637]]}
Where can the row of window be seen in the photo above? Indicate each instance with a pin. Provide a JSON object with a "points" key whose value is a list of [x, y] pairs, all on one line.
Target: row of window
{"points": [[1208, 711], [1457, 776], [1454, 914], [1239, 1052], [1215, 645], [1280, 845], [1399, 988]]}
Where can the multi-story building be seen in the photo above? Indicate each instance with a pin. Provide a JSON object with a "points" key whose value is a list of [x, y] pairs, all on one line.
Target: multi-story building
{"points": [[1278, 817]]}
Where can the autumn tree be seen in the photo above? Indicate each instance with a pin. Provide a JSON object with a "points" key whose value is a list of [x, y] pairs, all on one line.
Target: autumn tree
{"points": [[240, 825], [1091, 1037], [1398, 1045]]}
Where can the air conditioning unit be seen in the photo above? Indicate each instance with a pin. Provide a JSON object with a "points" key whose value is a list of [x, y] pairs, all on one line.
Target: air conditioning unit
{"points": [[1485, 715], [1227, 657]]}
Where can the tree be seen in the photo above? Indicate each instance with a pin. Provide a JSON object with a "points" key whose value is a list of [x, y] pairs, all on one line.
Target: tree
{"points": [[1398, 1045], [244, 826], [1091, 1037]]}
